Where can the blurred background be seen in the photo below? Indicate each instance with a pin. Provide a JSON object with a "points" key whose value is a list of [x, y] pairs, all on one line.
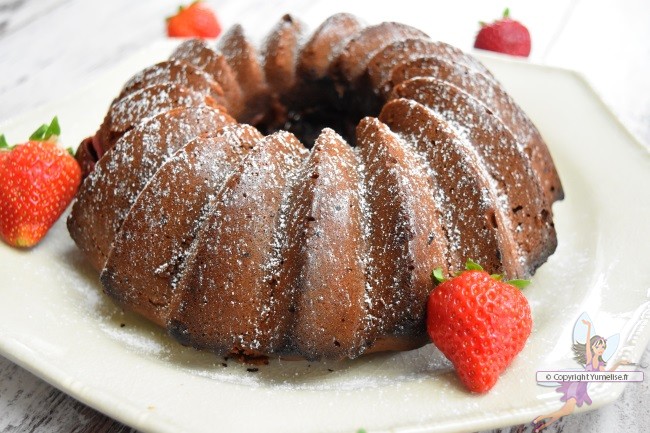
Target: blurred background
{"points": [[49, 48]]}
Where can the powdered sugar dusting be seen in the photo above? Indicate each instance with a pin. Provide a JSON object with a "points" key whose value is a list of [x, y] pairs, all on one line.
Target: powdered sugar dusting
{"points": [[124, 171], [165, 217], [354, 59], [174, 72], [404, 51], [406, 240], [150, 101], [470, 212], [488, 91], [231, 250], [261, 248], [519, 192]]}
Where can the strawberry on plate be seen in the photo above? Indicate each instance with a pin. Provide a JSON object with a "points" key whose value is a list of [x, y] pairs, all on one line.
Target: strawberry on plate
{"points": [[39, 179], [194, 21], [504, 36], [479, 323]]}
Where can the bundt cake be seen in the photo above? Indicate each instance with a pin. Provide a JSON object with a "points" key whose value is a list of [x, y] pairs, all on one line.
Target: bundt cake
{"points": [[294, 202]]}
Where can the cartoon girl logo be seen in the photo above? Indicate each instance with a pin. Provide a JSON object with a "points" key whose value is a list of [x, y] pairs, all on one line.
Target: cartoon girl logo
{"points": [[592, 353]]}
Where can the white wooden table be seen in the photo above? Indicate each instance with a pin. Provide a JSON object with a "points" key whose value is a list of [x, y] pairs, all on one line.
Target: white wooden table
{"points": [[48, 48]]}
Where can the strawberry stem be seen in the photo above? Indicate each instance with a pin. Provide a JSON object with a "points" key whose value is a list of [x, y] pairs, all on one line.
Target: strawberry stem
{"points": [[506, 13]]}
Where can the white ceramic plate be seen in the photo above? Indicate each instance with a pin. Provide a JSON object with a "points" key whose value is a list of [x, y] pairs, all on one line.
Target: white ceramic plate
{"points": [[56, 322]]}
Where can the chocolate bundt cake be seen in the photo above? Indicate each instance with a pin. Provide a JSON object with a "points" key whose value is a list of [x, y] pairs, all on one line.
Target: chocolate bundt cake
{"points": [[293, 202]]}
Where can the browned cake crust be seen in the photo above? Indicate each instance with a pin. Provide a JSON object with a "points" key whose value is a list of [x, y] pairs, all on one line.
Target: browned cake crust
{"points": [[175, 72], [474, 221], [325, 44], [315, 98], [327, 247], [233, 249], [519, 188], [243, 58], [105, 197], [197, 53], [400, 52], [406, 237], [280, 53], [286, 237], [490, 93], [164, 217], [351, 63], [127, 111]]}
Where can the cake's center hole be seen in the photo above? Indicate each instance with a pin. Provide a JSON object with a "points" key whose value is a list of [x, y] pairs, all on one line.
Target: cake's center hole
{"points": [[307, 118]]}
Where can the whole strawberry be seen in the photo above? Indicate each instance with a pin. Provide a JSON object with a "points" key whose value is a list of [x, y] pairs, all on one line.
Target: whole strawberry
{"points": [[196, 20], [39, 179], [479, 323], [504, 36]]}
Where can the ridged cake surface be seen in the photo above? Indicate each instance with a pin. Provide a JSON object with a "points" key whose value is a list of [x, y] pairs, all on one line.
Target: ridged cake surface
{"points": [[292, 199]]}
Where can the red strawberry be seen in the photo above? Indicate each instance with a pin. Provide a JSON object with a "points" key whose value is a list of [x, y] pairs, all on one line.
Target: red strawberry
{"points": [[504, 36], [196, 20], [479, 323], [39, 179]]}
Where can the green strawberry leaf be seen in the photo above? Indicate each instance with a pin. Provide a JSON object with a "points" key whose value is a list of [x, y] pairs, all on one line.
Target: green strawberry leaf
{"points": [[54, 129], [471, 265], [45, 131], [518, 283], [506, 13], [39, 134], [437, 277], [3, 142], [70, 151]]}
